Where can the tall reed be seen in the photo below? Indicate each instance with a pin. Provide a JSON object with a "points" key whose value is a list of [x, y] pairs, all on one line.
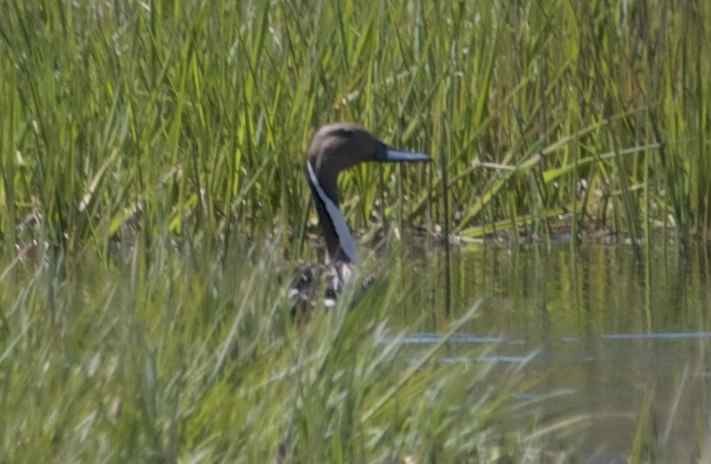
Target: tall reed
{"points": [[195, 115]]}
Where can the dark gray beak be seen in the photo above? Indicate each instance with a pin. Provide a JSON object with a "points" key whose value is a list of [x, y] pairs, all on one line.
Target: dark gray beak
{"points": [[386, 154]]}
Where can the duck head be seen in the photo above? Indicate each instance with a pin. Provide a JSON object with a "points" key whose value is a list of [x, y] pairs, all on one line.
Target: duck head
{"points": [[335, 148]]}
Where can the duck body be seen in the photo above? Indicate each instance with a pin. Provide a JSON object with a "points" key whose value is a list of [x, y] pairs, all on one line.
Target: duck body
{"points": [[334, 149]]}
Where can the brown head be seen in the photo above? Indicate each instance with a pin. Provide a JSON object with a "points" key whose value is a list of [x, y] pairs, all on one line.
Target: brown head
{"points": [[334, 148]]}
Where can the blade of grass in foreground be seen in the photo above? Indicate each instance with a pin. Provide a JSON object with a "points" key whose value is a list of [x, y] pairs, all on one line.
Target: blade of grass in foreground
{"points": [[422, 361]]}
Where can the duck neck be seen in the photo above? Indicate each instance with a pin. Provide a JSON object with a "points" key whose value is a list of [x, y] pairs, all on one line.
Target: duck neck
{"points": [[339, 241]]}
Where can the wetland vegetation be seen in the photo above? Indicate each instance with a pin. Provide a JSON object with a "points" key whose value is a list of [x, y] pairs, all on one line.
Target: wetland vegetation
{"points": [[155, 206]]}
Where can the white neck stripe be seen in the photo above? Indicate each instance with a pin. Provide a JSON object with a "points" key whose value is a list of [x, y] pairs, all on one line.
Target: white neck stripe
{"points": [[345, 238]]}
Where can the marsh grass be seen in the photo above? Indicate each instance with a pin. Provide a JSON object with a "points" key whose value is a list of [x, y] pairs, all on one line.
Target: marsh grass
{"points": [[184, 360], [197, 114], [145, 147]]}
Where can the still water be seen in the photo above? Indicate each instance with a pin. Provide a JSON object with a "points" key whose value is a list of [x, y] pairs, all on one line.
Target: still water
{"points": [[617, 341]]}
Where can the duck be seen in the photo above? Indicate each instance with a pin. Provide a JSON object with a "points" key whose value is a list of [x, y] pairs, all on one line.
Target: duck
{"points": [[335, 148]]}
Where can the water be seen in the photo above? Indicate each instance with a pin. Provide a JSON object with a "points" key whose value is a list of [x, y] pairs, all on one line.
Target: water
{"points": [[621, 343]]}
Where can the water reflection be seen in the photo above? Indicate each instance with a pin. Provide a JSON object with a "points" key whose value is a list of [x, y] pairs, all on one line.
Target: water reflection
{"points": [[627, 341]]}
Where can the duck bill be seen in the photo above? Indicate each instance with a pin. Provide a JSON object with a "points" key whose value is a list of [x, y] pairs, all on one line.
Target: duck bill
{"points": [[388, 154]]}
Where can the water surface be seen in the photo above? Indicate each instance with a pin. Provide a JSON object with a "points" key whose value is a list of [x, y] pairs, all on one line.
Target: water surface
{"points": [[620, 342]]}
